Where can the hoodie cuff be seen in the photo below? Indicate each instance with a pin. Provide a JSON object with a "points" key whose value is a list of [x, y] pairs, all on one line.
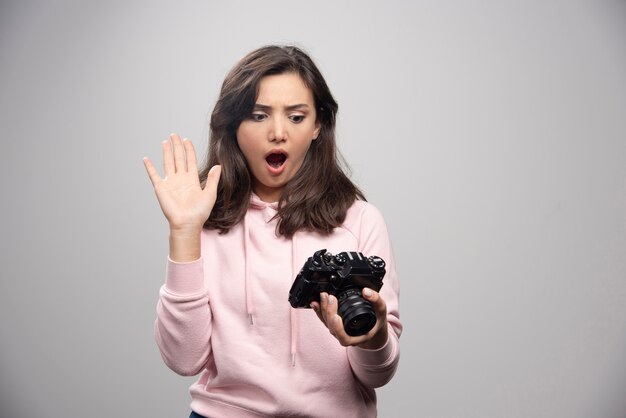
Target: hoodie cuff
{"points": [[184, 278], [377, 357]]}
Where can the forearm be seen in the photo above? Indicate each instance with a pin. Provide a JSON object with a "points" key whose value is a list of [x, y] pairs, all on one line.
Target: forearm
{"points": [[375, 368], [183, 325], [375, 364]]}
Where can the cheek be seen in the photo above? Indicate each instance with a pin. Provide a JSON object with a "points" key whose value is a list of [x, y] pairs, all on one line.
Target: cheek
{"points": [[245, 142], [249, 136], [304, 148], [246, 150]]}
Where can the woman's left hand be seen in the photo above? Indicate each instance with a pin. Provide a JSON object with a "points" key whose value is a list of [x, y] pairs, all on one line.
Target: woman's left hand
{"points": [[376, 338]]}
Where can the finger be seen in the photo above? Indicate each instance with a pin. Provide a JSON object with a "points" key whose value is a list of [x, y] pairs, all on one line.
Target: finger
{"points": [[168, 159], [190, 152], [335, 326], [334, 322], [323, 305], [330, 313], [317, 310], [337, 329], [152, 172], [179, 154]]}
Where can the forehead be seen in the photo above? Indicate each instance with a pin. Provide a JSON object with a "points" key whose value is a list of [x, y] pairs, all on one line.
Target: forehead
{"points": [[287, 88]]}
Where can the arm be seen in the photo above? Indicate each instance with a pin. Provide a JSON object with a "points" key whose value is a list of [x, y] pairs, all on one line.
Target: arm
{"points": [[183, 325], [375, 365], [374, 356]]}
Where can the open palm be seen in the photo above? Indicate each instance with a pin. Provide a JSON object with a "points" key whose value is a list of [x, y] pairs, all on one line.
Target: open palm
{"points": [[183, 201]]}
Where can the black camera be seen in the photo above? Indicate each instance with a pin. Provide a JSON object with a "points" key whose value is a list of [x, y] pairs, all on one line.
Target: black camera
{"points": [[343, 275]]}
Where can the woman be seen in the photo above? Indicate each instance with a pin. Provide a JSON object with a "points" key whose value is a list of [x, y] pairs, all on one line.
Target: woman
{"points": [[271, 194]]}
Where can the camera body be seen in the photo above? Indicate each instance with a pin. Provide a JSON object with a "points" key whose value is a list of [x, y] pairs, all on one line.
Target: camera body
{"points": [[343, 275]]}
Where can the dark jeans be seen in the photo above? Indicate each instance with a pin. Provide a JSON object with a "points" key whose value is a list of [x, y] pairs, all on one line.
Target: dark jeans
{"points": [[194, 415]]}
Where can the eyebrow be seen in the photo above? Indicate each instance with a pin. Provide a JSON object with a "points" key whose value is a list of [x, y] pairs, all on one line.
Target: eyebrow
{"points": [[259, 106]]}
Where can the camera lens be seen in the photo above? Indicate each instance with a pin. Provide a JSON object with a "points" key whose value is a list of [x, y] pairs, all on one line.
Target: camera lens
{"points": [[357, 313]]}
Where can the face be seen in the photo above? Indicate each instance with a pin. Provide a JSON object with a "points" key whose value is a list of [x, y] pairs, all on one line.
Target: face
{"points": [[275, 138]]}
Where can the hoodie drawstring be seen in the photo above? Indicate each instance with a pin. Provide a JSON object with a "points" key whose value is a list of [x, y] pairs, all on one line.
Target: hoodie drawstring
{"points": [[293, 316], [246, 248]]}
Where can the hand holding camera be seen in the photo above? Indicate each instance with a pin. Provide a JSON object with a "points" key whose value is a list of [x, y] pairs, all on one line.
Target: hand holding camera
{"points": [[342, 276]]}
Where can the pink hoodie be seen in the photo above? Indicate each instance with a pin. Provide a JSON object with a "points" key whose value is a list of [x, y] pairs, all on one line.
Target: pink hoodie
{"points": [[226, 316]]}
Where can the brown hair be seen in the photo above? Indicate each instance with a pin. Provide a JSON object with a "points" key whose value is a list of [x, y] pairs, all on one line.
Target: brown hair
{"points": [[319, 195]]}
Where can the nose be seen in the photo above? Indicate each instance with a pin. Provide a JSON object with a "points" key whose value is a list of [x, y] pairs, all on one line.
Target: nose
{"points": [[278, 130]]}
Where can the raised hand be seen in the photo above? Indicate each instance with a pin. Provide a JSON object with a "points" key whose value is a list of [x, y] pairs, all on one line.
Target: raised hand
{"points": [[184, 202]]}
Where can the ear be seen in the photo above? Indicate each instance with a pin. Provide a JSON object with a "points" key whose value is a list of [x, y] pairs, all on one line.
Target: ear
{"points": [[316, 132]]}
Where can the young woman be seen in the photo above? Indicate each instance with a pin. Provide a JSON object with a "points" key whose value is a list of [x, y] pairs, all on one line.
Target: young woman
{"points": [[271, 194]]}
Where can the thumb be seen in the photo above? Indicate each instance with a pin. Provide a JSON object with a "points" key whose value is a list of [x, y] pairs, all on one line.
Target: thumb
{"points": [[213, 179], [376, 300]]}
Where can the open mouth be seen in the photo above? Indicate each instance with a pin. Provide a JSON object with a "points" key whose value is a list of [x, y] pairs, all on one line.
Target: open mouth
{"points": [[276, 159]]}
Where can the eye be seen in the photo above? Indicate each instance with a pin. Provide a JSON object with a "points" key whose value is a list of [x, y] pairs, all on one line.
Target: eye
{"points": [[296, 118], [258, 117]]}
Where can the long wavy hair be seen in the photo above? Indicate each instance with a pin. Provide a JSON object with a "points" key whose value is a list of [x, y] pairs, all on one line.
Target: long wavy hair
{"points": [[319, 195]]}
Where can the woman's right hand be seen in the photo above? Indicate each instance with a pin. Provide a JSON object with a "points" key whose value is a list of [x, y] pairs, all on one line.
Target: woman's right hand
{"points": [[184, 202]]}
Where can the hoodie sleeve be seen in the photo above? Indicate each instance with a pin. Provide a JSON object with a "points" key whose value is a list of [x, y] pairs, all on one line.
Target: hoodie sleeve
{"points": [[374, 368], [183, 326]]}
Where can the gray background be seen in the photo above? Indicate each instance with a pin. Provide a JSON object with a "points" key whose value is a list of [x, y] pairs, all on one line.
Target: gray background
{"points": [[492, 136]]}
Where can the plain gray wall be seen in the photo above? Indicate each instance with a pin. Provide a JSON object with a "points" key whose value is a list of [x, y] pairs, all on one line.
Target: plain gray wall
{"points": [[492, 136]]}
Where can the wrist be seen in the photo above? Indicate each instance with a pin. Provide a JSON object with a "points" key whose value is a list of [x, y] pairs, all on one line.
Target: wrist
{"points": [[185, 230], [184, 244]]}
